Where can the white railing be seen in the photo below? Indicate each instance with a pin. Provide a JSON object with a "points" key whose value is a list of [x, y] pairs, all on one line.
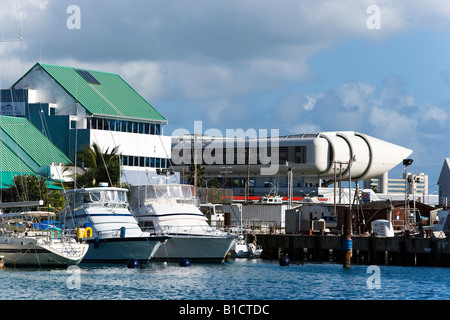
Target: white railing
{"points": [[186, 230]]}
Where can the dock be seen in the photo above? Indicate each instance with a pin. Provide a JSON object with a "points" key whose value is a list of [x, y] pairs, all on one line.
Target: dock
{"points": [[401, 251]]}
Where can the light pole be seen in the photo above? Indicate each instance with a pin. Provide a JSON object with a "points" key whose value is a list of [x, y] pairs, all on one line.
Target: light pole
{"points": [[350, 181], [290, 184], [406, 163]]}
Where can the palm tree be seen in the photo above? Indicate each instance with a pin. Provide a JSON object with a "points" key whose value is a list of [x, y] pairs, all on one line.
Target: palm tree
{"points": [[201, 172], [97, 166]]}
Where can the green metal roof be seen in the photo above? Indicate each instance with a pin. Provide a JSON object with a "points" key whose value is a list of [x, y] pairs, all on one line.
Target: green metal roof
{"points": [[11, 165], [10, 162], [113, 97], [31, 141]]}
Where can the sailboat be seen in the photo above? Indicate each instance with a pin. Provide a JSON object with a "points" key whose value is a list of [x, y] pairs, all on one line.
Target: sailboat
{"points": [[25, 241]]}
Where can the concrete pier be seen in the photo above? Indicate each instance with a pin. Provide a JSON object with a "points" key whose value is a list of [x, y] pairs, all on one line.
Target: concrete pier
{"points": [[403, 251]]}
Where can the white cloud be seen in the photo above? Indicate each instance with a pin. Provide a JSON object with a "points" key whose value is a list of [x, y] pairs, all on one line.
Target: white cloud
{"points": [[305, 128], [309, 105], [428, 112]]}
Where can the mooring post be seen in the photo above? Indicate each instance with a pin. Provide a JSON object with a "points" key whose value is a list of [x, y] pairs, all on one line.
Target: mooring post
{"points": [[347, 240]]}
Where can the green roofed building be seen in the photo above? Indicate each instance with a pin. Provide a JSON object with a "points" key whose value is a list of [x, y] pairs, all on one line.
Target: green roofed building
{"points": [[26, 150], [76, 107]]}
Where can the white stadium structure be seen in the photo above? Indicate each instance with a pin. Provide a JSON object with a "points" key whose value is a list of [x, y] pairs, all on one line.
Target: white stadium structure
{"points": [[313, 158]]}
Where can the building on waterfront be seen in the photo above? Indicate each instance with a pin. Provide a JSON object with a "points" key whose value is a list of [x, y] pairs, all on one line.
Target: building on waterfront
{"points": [[25, 150], [300, 164], [384, 184], [444, 184], [77, 107]]}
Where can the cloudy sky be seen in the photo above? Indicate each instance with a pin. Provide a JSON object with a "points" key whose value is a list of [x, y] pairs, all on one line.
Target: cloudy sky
{"points": [[378, 67]]}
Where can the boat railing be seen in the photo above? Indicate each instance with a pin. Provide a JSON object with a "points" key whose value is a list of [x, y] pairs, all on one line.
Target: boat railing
{"points": [[185, 230], [103, 204]]}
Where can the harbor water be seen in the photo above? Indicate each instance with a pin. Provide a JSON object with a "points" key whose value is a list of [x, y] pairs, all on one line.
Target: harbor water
{"points": [[240, 279]]}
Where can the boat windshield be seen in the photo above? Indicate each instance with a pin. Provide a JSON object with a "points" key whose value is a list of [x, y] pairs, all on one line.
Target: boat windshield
{"points": [[164, 192], [107, 198], [183, 192]]}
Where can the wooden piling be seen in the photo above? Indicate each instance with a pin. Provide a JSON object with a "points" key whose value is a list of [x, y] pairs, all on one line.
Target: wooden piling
{"points": [[404, 251], [347, 240]]}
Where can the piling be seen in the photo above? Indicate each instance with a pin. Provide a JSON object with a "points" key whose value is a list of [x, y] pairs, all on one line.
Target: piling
{"points": [[368, 250], [347, 240]]}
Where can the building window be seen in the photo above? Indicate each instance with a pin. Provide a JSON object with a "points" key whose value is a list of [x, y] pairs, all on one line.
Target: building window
{"points": [[145, 162], [124, 126], [283, 154], [300, 154]]}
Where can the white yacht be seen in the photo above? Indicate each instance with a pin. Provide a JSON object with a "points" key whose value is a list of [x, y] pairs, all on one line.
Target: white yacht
{"points": [[111, 230], [171, 208], [23, 242]]}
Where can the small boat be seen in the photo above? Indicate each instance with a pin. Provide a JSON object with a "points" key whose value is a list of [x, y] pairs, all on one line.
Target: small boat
{"points": [[103, 218], [171, 209], [271, 200], [441, 228], [24, 241], [242, 249]]}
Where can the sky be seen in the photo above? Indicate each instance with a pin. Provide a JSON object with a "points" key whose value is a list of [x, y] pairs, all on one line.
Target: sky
{"points": [[381, 68]]}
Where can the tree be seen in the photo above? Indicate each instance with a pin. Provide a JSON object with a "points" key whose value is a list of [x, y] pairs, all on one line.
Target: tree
{"points": [[27, 187], [201, 172], [97, 166]]}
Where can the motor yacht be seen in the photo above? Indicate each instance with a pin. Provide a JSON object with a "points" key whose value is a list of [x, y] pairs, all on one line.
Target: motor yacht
{"points": [[171, 209], [110, 229]]}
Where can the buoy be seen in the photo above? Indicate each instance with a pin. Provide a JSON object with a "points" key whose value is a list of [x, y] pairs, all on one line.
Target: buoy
{"points": [[133, 264], [185, 263], [228, 256], [87, 232], [122, 232], [284, 261], [96, 242]]}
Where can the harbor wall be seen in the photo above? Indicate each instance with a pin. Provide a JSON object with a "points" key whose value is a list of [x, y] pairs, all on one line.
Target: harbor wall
{"points": [[402, 251]]}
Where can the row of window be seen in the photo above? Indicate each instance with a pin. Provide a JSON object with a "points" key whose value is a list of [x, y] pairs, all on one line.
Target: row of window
{"points": [[219, 155], [145, 162], [124, 126]]}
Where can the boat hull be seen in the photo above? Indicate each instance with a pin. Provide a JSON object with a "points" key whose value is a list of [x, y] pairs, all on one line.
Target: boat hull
{"points": [[123, 249], [195, 248], [41, 255]]}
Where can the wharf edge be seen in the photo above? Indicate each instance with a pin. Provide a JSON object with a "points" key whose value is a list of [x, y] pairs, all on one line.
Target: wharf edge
{"points": [[401, 251]]}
